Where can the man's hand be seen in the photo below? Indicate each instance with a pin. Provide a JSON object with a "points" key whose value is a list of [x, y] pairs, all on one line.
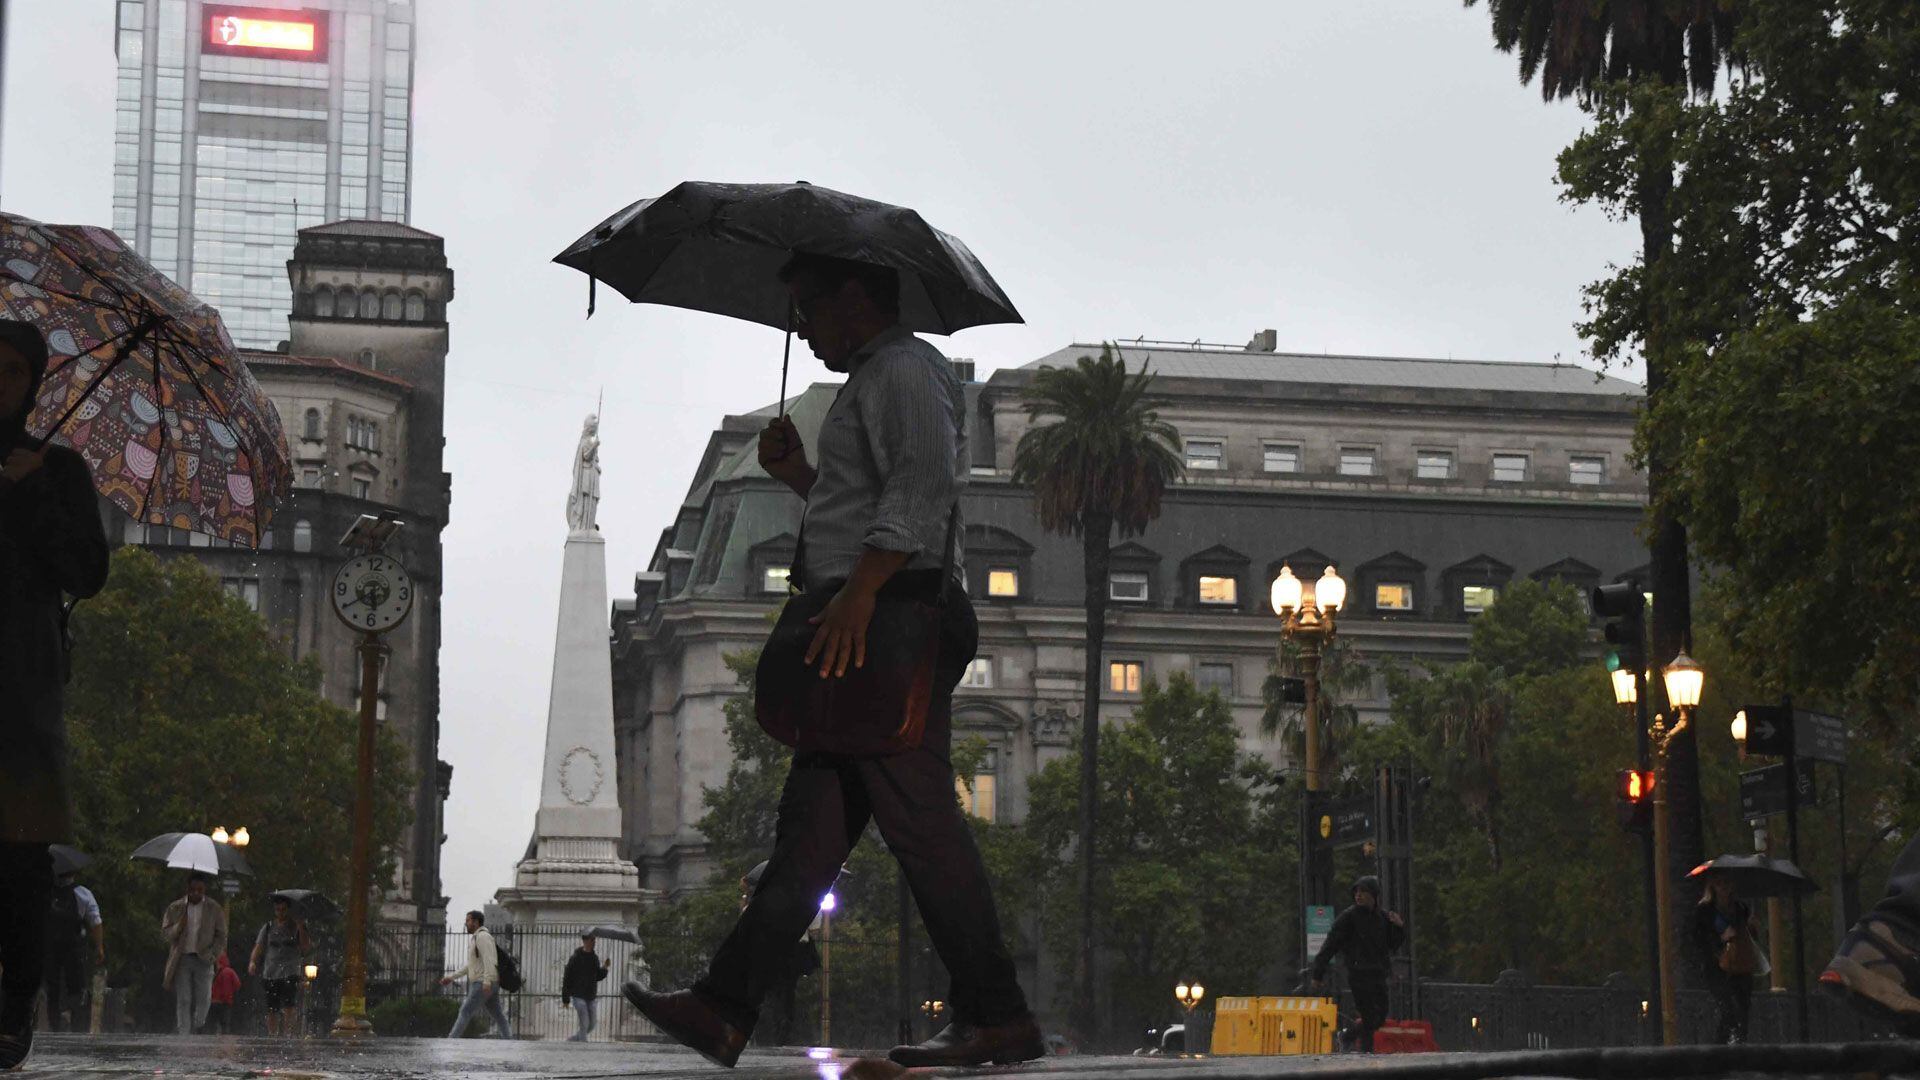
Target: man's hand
{"points": [[100, 956], [842, 636], [1394, 918], [253, 968], [21, 463], [446, 980], [784, 456]]}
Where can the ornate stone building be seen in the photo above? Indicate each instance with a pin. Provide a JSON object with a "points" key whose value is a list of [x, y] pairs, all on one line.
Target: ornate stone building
{"points": [[360, 385], [1430, 484]]}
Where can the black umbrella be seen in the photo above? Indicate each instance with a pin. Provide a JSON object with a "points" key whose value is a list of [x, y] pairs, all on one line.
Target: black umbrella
{"points": [[718, 247], [613, 933], [68, 860], [307, 903], [1755, 876]]}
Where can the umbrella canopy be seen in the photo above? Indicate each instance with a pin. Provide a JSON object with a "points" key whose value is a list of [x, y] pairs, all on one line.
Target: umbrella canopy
{"points": [[144, 382], [308, 903], [1754, 876], [614, 933], [718, 247], [68, 860], [193, 851]]}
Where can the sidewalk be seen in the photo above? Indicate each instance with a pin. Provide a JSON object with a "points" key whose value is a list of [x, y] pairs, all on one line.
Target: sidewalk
{"points": [[230, 1057]]}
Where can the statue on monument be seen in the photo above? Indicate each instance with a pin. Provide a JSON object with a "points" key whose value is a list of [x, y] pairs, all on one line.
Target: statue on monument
{"points": [[583, 506]]}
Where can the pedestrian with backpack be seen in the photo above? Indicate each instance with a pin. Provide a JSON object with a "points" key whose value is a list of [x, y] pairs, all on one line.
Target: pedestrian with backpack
{"points": [[483, 981], [73, 918], [277, 951]]}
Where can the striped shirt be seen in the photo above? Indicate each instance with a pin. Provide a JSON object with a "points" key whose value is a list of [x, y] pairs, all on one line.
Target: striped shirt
{"points": [[892, 460]]}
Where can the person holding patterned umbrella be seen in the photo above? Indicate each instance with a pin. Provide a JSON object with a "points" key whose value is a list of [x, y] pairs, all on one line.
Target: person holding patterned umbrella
{"points": [[51, 543]]}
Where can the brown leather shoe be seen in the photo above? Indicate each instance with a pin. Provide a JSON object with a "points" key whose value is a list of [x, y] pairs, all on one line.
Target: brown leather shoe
{"points": [[685, 1017], [964, 1044]]}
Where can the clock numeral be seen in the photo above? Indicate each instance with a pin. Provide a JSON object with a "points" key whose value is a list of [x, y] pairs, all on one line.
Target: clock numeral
{"points": [[340, 589], [405, 593], [377, 564], [371, 618]]}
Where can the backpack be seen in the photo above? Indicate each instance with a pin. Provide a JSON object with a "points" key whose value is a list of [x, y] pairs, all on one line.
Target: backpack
{"points": [[508, 967], [65, 925]]}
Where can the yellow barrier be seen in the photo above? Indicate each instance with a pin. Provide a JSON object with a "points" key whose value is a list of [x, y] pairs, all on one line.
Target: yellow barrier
{"points": [[1273, 1025]]}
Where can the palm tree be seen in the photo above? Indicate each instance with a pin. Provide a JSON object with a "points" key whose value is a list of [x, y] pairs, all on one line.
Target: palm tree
{"points": [[1343, 675], [1573, 47], [1102, 464]]}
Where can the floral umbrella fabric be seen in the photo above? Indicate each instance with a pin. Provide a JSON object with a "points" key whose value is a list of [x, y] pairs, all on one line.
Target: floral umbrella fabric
{"points": [[143, 381]]}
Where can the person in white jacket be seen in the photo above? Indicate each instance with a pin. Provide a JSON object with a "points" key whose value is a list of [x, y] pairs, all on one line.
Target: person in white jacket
{"points": [[483, 981]]}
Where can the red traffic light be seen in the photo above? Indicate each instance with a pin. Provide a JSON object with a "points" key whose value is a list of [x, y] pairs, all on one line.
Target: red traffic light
{"points": [[1633, 800]]}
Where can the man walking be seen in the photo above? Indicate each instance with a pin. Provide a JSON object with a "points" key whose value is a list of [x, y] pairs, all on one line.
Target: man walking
{"points": [[892, 460], [1366, 936], [483, 981], [73, 921], [579, 986], [196, 931]]}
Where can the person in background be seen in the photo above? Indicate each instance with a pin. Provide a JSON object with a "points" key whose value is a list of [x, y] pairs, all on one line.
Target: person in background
{"points": [[72, 919], [277, 951], [579, 986], [52, 545], [226, 983], [483, 981], [1367, 937], [1724, 932], [195, 927]]}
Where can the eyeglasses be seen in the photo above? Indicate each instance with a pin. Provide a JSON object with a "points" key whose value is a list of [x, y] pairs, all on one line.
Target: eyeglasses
{"points": [[799, 308]]}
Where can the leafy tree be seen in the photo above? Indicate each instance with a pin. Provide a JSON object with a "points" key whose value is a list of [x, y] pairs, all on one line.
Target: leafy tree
{"points": [[1344, 674], [184, 712], [1194, 854], [1102, 464]]}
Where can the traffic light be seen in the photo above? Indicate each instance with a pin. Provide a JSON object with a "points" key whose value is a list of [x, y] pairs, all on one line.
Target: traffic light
{"points": [[1633, 800], [1624, 607], [1292, 691]]}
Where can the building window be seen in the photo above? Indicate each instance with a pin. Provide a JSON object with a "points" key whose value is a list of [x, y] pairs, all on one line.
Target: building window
{"points": [[1215, 677], [1393, 596], [1281, 457], [1219, 590], [132, 532], [1587, 470], [981, 798], [391, 307], [1475, 599], [1127, 586], [310, 478], [1434, 465], [416, 307], [1509, 468], [345, 304], [1003, 581], [369, 305], [773, 579], [1356, 461], [362, 488], [1206, 453], [363, 434], [979, 673], [247, 589], [310, 424], [302, 536], [1125, 676]]}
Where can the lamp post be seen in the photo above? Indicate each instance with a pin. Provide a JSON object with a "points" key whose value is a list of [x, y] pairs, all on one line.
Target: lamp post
{"points": [[827, 904], [238, 838], [1626, 694], [1684, 681], [1188, 995], [1308, 619]]}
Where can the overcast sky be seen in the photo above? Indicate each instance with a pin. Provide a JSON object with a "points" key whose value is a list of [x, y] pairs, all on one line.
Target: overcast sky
{"points": [[1363, 177]]}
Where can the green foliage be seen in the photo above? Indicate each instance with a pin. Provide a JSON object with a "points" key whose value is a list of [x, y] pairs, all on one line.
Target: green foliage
{"points": [[184, 713], [1194, 855], [1107, 456], [1571, 47], [1345, 676]]}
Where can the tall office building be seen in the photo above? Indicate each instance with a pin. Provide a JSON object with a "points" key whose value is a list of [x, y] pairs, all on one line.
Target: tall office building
{"points": [[239, 125]]}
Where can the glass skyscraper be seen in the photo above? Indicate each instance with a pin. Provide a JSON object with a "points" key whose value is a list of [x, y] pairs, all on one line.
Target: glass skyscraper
{"points": [[240, 124]]}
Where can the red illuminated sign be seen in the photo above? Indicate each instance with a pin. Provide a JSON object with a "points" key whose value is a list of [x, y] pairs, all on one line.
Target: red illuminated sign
{"points": [[265, 33]]}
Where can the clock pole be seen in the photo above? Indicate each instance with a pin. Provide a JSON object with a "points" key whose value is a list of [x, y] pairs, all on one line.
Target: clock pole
{"points": [[353, 993]]}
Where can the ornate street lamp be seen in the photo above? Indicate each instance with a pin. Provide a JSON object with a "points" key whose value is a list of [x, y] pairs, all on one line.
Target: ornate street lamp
{"points": [[219, 835], [1626, 688], [1685, 681], [1308, 619]]}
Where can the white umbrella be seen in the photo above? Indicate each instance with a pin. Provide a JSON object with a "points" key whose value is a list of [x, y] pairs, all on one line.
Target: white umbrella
{"points": [[193, 851]]}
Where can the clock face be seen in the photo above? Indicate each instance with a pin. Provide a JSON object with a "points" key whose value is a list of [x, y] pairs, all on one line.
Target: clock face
{"points": [[372, 593]]}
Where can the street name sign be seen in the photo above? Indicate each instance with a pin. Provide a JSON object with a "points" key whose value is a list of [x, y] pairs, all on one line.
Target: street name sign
{"points": [[1763, 792], [1819, 737], [1346, 822]]}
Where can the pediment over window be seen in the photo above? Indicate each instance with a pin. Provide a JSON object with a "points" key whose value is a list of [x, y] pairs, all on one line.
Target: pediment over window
{"points": [[1133, 553], [782, 544], [991, 539], [1219, 555], [1572, 571], [1485, 568]]}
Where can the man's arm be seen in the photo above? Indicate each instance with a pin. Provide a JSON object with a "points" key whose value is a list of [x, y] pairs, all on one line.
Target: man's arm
{"points": [[1336, 941], [784, 456], [219, 943], [172, 922]]}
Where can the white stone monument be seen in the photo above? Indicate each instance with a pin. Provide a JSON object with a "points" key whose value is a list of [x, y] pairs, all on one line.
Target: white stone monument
{"points": [[573, 872]]}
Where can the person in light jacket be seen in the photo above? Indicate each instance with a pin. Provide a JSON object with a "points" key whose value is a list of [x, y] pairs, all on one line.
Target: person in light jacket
{"points": [[195, 927], [483, 981]]}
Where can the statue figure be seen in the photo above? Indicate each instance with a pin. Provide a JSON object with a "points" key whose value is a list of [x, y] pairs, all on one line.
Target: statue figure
{"points": [[583, 504]]}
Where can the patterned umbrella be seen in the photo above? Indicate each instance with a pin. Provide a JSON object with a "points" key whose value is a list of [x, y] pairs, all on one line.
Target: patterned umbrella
{"points": [[144, 382]]}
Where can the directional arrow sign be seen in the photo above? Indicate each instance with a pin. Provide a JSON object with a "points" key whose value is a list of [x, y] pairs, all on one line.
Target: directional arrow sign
{"points": [[1770, 730], [1817, 736]]}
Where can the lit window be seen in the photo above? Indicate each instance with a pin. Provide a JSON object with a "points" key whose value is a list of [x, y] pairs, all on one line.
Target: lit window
{"points": [[1509, 468], [1281, 457], [1356, 461], [1219, 590], [1127, 586], [1215, 677], [1125, 676], [1003, 582], [1587, 470], [773, 579], [1393, 596], [979, 672], [1206, 453], [362, 488], [1434, 465], [979, 800], [1477, 598]]}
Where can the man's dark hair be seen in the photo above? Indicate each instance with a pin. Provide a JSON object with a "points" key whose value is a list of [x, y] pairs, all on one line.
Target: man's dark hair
{"points": [[827, 274], [31, 344], [199, 877], [1369, 885], [477, 917]]}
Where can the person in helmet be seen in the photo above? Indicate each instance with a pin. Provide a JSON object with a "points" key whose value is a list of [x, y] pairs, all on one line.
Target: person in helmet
{"points": [[1366, 935]]}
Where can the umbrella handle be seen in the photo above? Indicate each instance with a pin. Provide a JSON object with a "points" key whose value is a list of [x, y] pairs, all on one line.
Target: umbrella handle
{"points": [[786, 354]]}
